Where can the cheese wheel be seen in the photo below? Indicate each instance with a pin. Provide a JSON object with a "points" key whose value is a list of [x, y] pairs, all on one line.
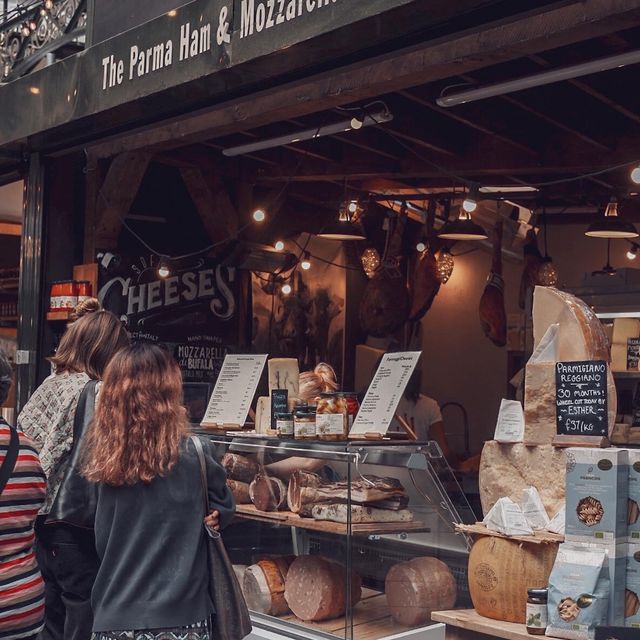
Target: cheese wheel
{"points": [[581, 335], [501, 571], [316, 588], [417, 588], [263, 587], [239, 467], [507, 469]]}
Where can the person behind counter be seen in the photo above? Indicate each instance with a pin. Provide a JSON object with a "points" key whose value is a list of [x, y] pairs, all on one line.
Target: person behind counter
{"points": [[153, 577], [23, 488], [66, 554]]}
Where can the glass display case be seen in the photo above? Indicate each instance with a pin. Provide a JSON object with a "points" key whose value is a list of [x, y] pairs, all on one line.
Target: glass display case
{"points": [[345, 539]]}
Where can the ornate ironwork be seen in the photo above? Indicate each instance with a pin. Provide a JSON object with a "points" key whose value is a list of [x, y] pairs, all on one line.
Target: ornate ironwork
{"points": [[36, 28]]}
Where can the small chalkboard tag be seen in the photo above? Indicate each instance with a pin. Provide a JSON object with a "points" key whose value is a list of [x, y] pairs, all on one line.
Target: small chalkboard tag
{"points": [[279, 404], [633, 353], [581, 401]]}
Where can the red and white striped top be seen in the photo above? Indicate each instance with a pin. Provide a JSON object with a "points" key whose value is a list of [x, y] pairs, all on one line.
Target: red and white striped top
{"points": [[21, 585]]}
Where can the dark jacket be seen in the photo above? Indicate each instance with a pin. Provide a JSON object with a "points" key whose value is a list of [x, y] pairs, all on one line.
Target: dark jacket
{"points": [[151, 541]]}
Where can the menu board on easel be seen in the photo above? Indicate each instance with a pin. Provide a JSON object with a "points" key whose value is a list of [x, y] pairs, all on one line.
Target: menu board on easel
{"points": [[384, 394], [235, 387], [582, 413]]}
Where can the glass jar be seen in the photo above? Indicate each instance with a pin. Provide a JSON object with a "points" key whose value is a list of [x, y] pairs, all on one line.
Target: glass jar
{"points": [[304, 423], [64, 295], [536, 618], [332, 418], [353, 405], [284, 425]]}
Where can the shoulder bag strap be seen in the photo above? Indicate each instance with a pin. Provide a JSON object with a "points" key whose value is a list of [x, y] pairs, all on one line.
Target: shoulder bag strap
{"points": [[84, 410], [203, 471], [9, 462]]}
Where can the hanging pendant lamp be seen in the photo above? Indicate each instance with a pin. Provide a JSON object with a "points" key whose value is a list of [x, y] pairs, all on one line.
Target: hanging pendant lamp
{"points": [[463, 228], [607, 270], [611, 225]]}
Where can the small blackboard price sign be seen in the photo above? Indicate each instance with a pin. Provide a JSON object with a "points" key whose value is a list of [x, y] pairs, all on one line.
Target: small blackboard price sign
{"points": [[633, 353], [279, 404], [581, 398]]}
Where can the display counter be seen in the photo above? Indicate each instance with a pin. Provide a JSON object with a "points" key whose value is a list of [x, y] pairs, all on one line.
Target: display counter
{"points": [[362, 547], [466, 624]]}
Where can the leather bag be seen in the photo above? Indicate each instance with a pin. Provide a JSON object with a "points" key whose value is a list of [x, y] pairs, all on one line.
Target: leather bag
{"points": [[77, 498], [231, 620]]}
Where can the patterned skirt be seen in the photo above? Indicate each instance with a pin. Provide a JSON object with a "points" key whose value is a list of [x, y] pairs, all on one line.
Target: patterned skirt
{"points": [[198, 631]]}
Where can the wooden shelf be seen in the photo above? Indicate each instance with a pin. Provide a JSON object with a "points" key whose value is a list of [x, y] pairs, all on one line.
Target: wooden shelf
{"points": [[289, 519], [371, 620], [469, 620], [58, 316]]}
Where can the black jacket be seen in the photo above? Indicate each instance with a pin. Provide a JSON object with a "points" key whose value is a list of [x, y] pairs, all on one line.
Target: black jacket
{"points": [[150, 539]]}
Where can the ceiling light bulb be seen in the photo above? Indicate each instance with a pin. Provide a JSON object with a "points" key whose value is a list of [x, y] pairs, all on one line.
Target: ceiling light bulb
{"points": [[370, 261], [444, 266], [421, 246], [632, 254], [356, 123], [286, 289], [306, 264], [279, 246], [469, 205], [43, 12], [164, 271], [352, 207], [635, 174], [259, 215]]}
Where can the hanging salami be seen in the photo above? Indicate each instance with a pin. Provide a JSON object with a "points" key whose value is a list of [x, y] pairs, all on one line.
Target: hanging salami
{"points": [[493, 317]]}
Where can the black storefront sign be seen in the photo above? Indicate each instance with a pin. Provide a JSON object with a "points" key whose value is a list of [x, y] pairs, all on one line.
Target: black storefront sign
{"points": [[193, 313], [581, 398]]}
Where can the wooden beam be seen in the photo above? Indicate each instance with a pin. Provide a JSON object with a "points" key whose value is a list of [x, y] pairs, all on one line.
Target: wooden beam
{"points": [[116, 195], [219, 216], [425, 62]]}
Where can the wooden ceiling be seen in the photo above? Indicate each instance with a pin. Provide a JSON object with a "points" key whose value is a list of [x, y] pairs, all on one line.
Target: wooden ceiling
{"points": [[542, 135]]}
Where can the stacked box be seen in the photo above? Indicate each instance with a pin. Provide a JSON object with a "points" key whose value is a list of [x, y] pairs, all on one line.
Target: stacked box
{"points": [[632, 592], [633, 509], [597, 495]]}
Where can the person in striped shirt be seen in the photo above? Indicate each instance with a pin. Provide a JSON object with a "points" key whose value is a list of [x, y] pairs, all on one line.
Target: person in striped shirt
{"points": [[21, 585]]}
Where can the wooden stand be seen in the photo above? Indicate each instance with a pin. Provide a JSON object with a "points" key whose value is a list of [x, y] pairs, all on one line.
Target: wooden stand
{"points": [[597, 442]]}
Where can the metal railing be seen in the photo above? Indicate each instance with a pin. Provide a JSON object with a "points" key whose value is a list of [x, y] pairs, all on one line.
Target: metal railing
{"points": [[35, 29]]}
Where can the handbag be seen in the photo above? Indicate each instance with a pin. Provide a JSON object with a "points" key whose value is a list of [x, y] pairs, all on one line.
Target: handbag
{"points": [[77, 498], [10, 458], [231, 620]]}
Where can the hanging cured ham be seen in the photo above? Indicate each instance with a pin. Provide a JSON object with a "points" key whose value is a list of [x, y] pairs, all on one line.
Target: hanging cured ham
{"points": [[533, 260], [493, 317], [385, 304]]}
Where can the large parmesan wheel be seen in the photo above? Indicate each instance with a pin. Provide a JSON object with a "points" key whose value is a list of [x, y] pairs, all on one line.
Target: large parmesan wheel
{"points": [[501, 571], [417, 588], [316, 588], [581, 335], [507, 469]]}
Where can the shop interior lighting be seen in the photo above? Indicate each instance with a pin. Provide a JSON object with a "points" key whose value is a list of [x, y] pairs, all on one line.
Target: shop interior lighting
{"points": [[611, 225], [635, 174], [346, 226], [286, 289], [306, 261], [379, 117], [48, 4], [164, 268], [421, 246], [279, 245], [463, 228], [259, 215], [470, 203], [539, 79], [632, 254]]}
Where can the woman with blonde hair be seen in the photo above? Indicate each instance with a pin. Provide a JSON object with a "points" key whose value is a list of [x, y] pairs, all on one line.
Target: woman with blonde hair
{"points": [[66, 553], [153, 577]]}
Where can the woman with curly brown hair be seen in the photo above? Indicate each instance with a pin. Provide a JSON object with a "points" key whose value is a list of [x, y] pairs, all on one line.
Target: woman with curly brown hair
{"points": [[153, 576]]}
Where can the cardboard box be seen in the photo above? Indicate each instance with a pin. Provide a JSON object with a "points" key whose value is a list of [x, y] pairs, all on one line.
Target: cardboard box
{"points": [[633, 513], [596, 495], [632, 592]]}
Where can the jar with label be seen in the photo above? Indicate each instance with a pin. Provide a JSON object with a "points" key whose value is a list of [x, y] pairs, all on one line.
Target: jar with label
{"points": [[353, 405], [332, 417], [304, 423], [284, 425], [536, 618], [85, 290], [64, 295]]}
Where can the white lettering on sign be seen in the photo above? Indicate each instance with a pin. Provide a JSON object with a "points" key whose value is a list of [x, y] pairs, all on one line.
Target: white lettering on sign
{"points": [[256, 17]]}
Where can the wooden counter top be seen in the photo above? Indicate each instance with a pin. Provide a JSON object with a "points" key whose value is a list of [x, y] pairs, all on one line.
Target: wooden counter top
{"points": [[469, 620]]}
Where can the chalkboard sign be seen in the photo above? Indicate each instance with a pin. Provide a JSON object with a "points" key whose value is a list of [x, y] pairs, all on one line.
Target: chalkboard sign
{"points": [[633, 353], [581, 398], [279, 404]]}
